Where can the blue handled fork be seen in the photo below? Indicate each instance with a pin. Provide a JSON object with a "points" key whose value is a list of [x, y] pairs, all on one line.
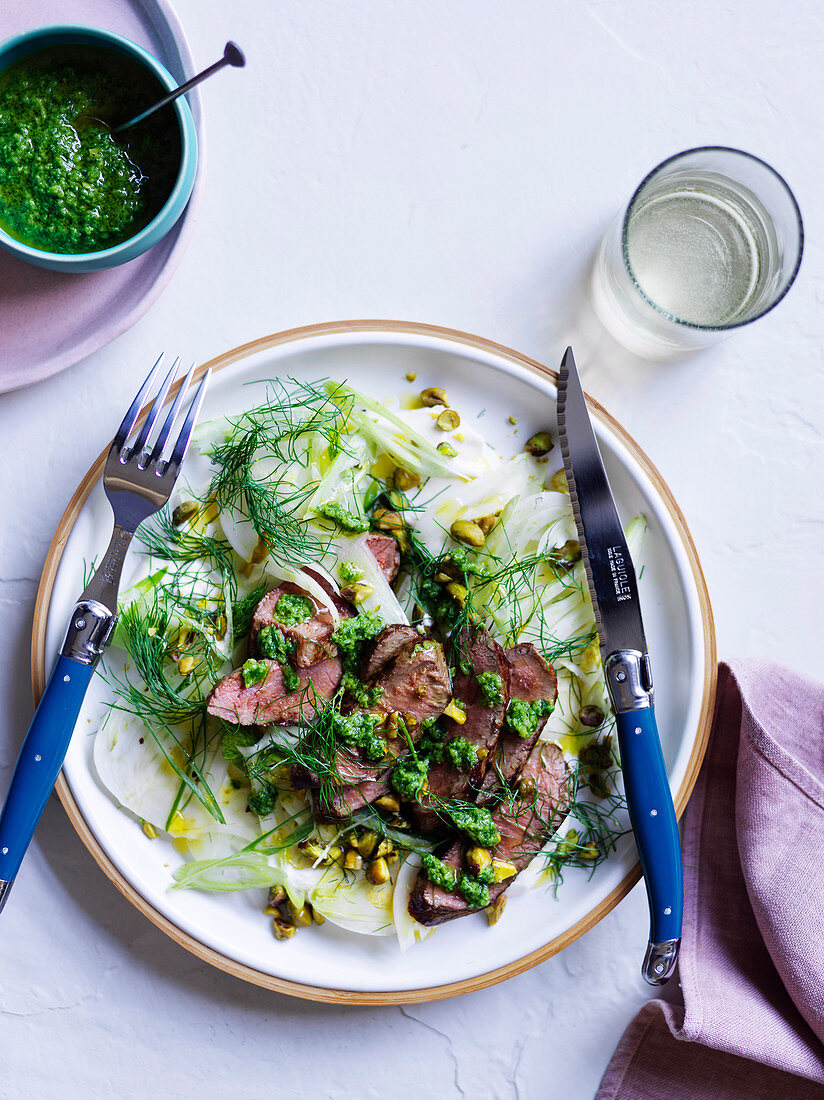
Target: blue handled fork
{"points": [[138, 481]]}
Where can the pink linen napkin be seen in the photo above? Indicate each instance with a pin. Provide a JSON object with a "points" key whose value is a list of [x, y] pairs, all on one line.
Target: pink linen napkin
{"points": [[751, 1024]]}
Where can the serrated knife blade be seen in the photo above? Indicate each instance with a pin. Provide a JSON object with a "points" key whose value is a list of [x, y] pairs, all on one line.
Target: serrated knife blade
{"points": [[613, 588], [607, 560]]}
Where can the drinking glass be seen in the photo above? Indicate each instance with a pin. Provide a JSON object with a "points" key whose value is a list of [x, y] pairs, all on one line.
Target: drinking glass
{"points": [[710, 241]]}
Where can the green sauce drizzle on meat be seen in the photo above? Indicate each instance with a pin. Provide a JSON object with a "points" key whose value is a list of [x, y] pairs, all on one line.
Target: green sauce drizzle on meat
{"points": [[354, 633], [474, 890], [523, 718], [491, 689], [350, 638], [291, 610], [274, 644], [430, 744], [359, 731], [254, 672], [409, 776], [475, 821], [438, 872], [462, 754]]}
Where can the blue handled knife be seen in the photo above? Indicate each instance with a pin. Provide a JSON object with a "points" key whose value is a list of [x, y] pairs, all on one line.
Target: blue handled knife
{"points": [[614, 590]]}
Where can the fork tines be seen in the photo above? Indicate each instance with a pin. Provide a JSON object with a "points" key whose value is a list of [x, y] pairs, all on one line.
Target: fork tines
{"points": [[145, 453]]}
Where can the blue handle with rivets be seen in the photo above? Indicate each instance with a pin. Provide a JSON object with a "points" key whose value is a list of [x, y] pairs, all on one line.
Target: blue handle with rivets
{"points": [[653, 821], [39, 763]]}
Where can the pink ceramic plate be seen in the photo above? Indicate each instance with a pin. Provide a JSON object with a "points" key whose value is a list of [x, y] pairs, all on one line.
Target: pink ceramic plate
{"points": [[48, 321]]}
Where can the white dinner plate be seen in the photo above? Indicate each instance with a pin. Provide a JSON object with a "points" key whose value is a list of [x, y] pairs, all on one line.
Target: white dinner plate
{"points": [[488, 384]]}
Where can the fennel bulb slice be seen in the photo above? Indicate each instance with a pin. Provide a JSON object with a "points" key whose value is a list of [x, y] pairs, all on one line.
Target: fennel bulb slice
{"points": [[134, 770]]}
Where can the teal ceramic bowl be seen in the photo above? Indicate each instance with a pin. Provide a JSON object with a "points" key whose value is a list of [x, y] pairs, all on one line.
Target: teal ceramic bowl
{"points": [[70, 35]]}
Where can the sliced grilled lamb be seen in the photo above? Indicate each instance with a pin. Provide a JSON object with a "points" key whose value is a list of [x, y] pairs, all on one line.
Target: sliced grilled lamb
{"points": [[387, 554], [351, 797], [384, 648], [312, 637], [524, 825], [531, 680], [481, 655], [414, 681], [268, 702]]}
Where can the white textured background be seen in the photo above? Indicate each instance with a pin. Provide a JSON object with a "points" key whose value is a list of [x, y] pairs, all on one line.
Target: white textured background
{"points": [[450, 161]]}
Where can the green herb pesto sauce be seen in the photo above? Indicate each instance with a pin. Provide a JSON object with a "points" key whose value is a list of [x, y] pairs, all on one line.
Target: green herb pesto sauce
{"points": [[410, 776], [291, 680], [475, 891], [254, 672], [475, 821], [69, 186], [491, 689], [354, 633], [437, 601], [364, 696], [346, 520], [438, 872], [523, 718], [358, 731], [429, 594], [264, 801], [430, 744], [462, 754], [471, 567], [435, 598], [349, 572], [234, 740], [291, 610], [350, 638], [274, 644]]}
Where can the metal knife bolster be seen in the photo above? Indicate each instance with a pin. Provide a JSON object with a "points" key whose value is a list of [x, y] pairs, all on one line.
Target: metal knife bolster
{"points": [[90, 630], [629, 680]]}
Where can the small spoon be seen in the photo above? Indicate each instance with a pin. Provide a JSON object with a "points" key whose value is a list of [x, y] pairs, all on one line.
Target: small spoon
{"points": [[232, 55]]}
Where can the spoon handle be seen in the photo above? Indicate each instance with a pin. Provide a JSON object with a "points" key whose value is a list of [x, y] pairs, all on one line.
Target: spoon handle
{"points": [[232, 55]]}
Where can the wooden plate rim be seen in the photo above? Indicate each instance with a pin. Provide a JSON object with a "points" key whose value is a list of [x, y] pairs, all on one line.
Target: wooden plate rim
{"points": [[395, 997]]}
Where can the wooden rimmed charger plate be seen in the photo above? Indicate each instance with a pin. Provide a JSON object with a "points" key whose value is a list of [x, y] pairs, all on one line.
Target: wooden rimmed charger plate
{"points": [[328, 964]]}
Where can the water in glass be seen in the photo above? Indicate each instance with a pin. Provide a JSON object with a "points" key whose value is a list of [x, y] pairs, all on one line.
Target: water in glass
{"points": [[699, 248]]}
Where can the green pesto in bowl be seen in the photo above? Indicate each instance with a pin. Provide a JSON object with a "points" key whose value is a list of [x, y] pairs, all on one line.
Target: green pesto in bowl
{"points": [[67, 184]]}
